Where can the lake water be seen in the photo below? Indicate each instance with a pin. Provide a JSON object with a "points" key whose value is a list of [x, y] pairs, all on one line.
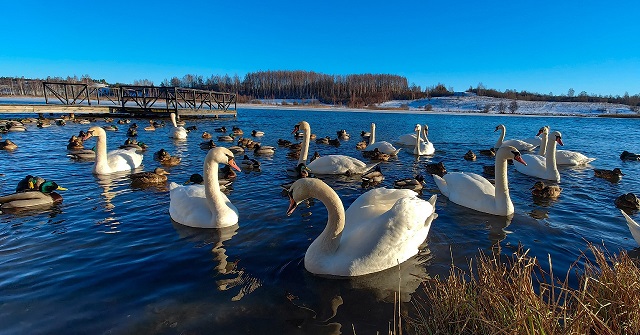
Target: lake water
{"points": [[110, 260]]}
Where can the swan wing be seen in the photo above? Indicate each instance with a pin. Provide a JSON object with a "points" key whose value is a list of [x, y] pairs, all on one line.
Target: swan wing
{"points": [[384, 147], [384, 227], [634, 227], [469, 190], [338, 164], [567, 157], [408, 140], [180, 133], [536, 166], [188, 205], [123, 160], [520, 145]]}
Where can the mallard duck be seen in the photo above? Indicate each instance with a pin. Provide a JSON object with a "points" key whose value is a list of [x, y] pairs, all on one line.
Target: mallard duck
{"points": [[222, 129], [315, 155], [343, 135], [611, 175], [158, 124], [60, 122], [376, 155], [150, 127], [236, 150], [361, 145], [374, 176], [264, 150], [132, 132], [323, 140], [8, 145], [237, 131], [365, 134], [491, 152], [414, 184], [629, 156], [436, 168], [207, 145], [161, 154], [43, 124], [171, 161], [159, 175], [541, 190], [489, 170], [29, 183], [82, 121], [124, 121], [82, 155], [257, 133], [226, 172], [43, 195], [206, 135], [191, 128], [249, 163], [225, 138], [628, 201], [75, 143], [470, 156], [110, 128], [108, 119], [132, 144], [295, 154], [284, 143]]}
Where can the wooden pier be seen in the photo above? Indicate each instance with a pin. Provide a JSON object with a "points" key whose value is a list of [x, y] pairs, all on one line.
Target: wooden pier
{"points": [[135, 101]]}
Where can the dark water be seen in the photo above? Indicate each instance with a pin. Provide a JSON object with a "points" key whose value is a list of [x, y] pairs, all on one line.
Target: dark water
{"points": [[110, 260]]}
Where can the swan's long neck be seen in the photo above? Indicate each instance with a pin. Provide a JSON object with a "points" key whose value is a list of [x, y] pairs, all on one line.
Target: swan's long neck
{"points": [[102, 164], [173, 120], [550, 155], [418, 149], [425, 132], [543, 143], [503, 200], [329, 239], [304, 151], [501, 138], [372, 138], [215, 201]]}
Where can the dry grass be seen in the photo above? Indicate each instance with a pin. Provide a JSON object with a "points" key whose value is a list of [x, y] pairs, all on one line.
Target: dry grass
{"points": [[515, 295]]}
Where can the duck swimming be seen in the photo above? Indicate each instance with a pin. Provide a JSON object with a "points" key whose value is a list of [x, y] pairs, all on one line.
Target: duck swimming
{"points": [[541, 190], [611, 175], [8, 145], [628, 201], [629, 156], [470, 156], [206, 135], [159, 175], [415, 184], [43, 195], [436, 168]]}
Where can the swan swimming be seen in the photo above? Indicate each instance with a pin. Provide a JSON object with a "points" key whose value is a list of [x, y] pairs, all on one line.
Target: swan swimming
{"points": [[476, 192], [382, 228], [563, 157], [543, 167], [115, 160], [179, 133], [205, 206], [383, 146], [518, 144]]}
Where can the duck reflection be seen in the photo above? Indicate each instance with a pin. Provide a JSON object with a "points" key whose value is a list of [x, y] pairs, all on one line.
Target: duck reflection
{"points": [[235, 277]]}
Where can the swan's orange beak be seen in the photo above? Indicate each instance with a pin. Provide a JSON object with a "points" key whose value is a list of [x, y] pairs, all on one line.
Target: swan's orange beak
{"points": [[519, 159], [292, 205], [296, 128], [232, 163], [539, 132], [87, 136], [559, 140]]}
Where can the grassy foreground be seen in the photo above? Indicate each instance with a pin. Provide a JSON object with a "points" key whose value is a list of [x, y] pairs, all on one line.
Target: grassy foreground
{"points": [[515, 295]]}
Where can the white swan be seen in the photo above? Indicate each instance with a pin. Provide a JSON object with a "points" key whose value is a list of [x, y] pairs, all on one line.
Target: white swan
{"points": [[383, 146], [476, 192], [544, 167], [634, 227], [179, 133], [115, 160], [382, 228], [409, 139], [422, 148], [205, 206], [332, 164], [564, 157], [518, 144]]}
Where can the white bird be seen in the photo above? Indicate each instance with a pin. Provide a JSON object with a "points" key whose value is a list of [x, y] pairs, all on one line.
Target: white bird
{"points": [[518, 144], [543, 167], [383, 146], [476, 192], [634, 227], [331, 164], [382, 228], [564, 157], [205, 206], [115, 160], [422, 148], [179, 133]]}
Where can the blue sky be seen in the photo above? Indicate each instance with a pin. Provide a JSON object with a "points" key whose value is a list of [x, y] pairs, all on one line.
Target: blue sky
{"points": [[539, 46]]}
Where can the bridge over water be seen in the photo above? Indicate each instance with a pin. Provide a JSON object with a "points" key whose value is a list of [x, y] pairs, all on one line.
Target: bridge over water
{"points": [[129, 99]]}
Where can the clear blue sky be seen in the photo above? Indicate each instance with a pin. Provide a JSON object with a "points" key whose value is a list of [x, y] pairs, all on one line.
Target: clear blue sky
{"points": [[539, 46]]}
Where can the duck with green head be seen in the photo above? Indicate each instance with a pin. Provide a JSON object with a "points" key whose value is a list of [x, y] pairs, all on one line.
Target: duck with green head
{"points": [[38, 192]]}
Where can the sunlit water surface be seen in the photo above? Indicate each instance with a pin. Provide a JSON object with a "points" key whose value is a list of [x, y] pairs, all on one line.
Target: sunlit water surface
{"points": [[110, 260]]}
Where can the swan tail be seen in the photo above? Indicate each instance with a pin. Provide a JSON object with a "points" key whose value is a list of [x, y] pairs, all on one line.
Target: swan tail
{"points": [[369, 167], [432, 200], [442, 184], [395, 153], [173, 185], [634, 227]]}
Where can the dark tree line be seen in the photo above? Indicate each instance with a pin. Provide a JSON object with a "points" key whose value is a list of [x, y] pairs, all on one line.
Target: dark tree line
{"points": [[631, 100]]}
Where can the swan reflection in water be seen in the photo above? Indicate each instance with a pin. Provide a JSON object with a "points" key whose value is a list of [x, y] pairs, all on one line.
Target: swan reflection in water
{"points": [[234, 276]]}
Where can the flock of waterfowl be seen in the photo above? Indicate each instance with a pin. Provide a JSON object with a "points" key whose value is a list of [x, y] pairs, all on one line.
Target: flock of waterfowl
{"points": [[379, 229]]}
